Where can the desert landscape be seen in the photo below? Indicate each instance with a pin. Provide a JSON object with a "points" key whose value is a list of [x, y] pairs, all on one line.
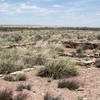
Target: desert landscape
{"points": [[49, 63]]}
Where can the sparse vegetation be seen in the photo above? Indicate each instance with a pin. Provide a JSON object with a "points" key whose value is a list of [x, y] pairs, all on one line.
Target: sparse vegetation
{"points": [[58, 69], [71, 85], [50, 97], [52, 54], [21, 77], [79, 49], [20, 87], [6, 94], [9, 78], [98, 36]]}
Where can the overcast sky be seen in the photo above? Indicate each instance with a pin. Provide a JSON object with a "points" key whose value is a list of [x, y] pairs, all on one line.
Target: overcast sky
{"points": [[51, 12]]}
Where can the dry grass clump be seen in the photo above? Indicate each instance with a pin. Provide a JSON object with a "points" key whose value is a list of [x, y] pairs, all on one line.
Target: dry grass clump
{"points": [[48, 96], [9, 78], [20, 87], [21, 77], [98, 36], [9, 62], [18, 77], [6, 94], [70, 84], [58, 69]]}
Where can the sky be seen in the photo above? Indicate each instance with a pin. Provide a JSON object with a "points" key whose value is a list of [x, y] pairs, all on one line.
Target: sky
{"points": [[82, 13]]}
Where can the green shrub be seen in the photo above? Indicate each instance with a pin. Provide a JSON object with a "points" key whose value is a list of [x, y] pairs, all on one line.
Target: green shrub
{"points": [[9, 78], [48, 96], [79, 49], [39, 59], [38, 37], [21, 77], [71, 85], [8, 62], [6, 94], [36, 60], [15, 38], [29, 61], [7, 67], [20, 87], [98, 36], [58, 69], [59, 49]]}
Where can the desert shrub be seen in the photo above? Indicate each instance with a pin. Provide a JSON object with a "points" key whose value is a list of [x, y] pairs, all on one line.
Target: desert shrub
{"points": [[29, 61], [46, 37], [98, 36], [14, 38], [48, 96], [7, 67], [39, 59], [58, 69], [38, 37], [21, 77], [28, 87], [71, 85], [6, 94], [8, 62], [35, 60], [94, 51], [59, 49], [20, 87], [79, 36], [9, 78], [21, 96], [85, 47], [4, 36], [79, 49]]}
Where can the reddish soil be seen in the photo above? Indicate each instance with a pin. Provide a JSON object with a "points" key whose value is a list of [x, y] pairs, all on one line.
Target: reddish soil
{"points": [[90, 77]]}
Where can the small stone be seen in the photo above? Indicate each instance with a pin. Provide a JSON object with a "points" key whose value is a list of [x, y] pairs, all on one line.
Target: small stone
{"points": [[34, 91], [80, 89], [17, 72], [1, 75], [27, 70], [85, 99], [42, 94]]}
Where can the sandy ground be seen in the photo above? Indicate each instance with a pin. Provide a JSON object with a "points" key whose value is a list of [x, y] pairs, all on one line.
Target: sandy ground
{"points": [[90, 77]]}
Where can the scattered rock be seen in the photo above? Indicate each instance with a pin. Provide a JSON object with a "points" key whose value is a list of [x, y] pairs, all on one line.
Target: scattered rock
{"points": [[80, 89], [34, 91], [85, 63], [17, 72], [1, 75], [85, 98], [27, 70], [75, 44], [97, 55]]}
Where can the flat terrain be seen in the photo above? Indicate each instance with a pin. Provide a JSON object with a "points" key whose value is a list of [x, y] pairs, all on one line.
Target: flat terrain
{"points": [[33, 48]]}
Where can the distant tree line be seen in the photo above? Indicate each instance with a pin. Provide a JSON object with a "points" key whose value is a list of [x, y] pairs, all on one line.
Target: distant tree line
{"points": [[21, 28]]}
